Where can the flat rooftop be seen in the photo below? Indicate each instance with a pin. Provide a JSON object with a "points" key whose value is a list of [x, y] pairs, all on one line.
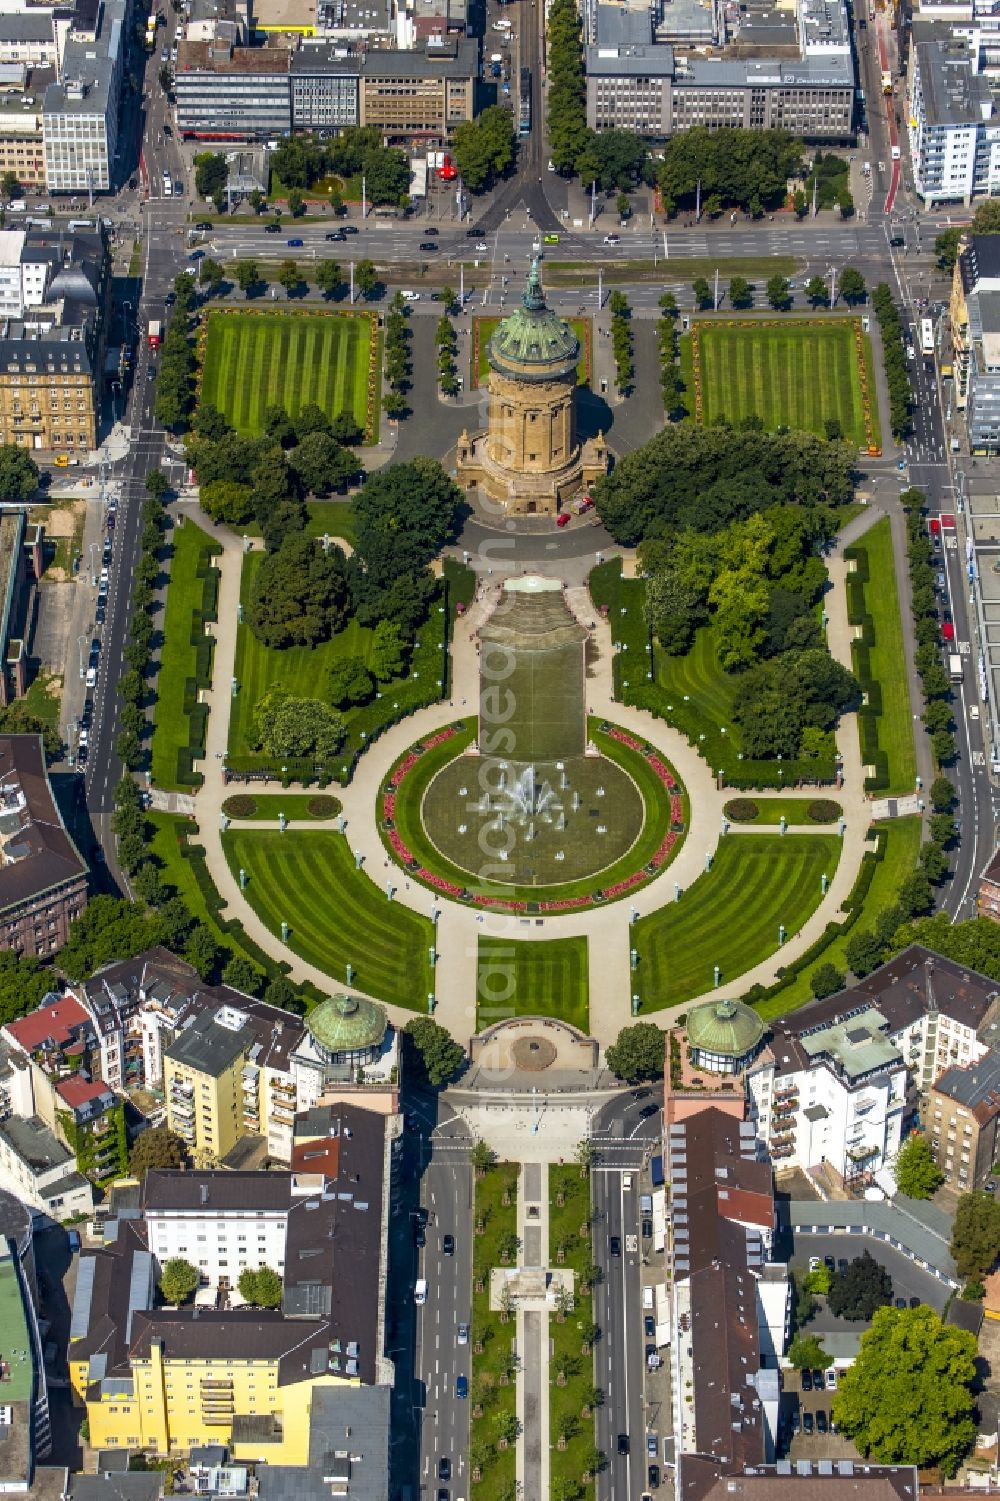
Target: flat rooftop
{"points": [[16, 1367]]}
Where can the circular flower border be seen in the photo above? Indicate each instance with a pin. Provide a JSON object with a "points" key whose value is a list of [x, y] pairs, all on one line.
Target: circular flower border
{"points": [[397, 847]]}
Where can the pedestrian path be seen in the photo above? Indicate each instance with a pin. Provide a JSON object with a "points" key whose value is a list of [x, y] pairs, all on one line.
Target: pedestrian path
{"points": [[533, 1338], [605, 929]]}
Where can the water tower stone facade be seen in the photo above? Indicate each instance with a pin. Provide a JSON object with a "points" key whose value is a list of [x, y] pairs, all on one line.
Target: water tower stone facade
{"points": [[530, 459]]}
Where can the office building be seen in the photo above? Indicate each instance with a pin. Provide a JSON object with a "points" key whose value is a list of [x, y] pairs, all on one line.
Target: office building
{"points": [[963, 1122], [230, 92], [777, 69], [81, 109], [32, 36], [22, 143], [43, 878], [420, 96], [325, 83], [25, 1432], [952, 117]]}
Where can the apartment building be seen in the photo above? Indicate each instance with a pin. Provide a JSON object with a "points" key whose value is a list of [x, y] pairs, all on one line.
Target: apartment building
{"points": [[22, 144], [32, 36], [42, 1170], [420, 96], [975, 329], [989, 881], [43, 878], [167, 1379], [782, 69], [81, 109], [952, 117], [221, 1222], [963, 1122]]}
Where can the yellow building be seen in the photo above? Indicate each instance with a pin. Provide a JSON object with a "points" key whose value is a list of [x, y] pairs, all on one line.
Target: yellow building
{"points": [[418, 95], [169, 1379]]}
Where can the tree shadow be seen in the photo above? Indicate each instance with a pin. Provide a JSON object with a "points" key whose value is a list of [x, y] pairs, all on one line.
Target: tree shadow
{"points": [[593, 413]]}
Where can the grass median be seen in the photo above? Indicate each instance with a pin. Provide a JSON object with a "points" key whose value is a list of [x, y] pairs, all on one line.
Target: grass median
{"points": [[573, 1455], [493, 1390], [547, 978], [191, 551]]}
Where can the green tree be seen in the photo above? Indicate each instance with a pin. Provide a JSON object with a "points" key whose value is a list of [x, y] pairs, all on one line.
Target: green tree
{"points": [[296, 203], [260, 1286], [165, 78], [637, 1053], [438, 1051], [201, 950], [946, 248], [807, 1354], [348, 682], [817, 292], [674, 609], [852, 286], [779, 293], [863, 952], [366, 277], [178, 1280], [329, 278], [566, 89], [107, 928], [256, 200], [826, 980], [18, 473], [247, 275], [243, 975], [388, 652], [942, 795], [908, 1398], [211, 173], [299, 594], [10, 186], [225, 500], [405, 513], [289, 276], [863, 1287], [740, 292], [299, 727], [322, 464], [703, 296], [975, 1235], [281, 993], [483, 148], [157, 1147], [915, 1171]]}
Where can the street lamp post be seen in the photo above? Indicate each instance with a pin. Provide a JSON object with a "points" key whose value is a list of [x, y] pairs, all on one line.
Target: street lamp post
{"points": [[93, 566], [81, 641]]}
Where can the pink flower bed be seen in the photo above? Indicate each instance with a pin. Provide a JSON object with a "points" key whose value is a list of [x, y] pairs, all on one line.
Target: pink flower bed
{"points": [[403, 768], [439, 738], [389, 805], [438, 882], [399, 849], [663, 851], [629, 740], [676, 808], [662, 771], [620, 887], [564, 903]]}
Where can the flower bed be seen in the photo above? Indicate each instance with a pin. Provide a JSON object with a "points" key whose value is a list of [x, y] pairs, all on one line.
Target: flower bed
{"points": [[572, 901]]}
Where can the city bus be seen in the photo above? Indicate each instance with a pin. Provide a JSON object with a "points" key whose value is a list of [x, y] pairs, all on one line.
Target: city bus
{"points": [[524, 116], [926, 337]]}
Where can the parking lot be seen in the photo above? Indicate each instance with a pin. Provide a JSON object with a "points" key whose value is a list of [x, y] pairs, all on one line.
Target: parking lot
{"points": [[815, 1445], [908, 1279]]}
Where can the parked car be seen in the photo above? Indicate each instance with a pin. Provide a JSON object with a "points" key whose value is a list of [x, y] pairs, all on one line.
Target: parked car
{"points": [[654, 1477], [842, 1265], [651, 1445], [821, 1421], [817, 1380], [915, 1302], [807, 1422], [649, 1326], [796, 1422], [807, 1381], [647, 1229], [831, 1379]]}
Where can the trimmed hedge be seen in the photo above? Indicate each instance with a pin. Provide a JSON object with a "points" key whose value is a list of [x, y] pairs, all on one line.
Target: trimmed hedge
{"points": [[871, 709]]}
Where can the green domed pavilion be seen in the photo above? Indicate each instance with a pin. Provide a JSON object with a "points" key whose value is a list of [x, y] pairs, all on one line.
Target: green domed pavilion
{"points": [[534, 343], [723, 1036], [348, 1029]]}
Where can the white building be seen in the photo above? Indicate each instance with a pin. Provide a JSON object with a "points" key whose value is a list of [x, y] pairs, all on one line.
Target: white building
{"points": [[952, 117], [81, 109], [221, 1222], [42, 1172]]}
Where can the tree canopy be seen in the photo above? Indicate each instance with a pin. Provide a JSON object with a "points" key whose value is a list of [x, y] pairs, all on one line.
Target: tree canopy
{"points": [[108, 928], [158, 1147], [438, 1051], [483, 148], [915, 1171], [637, 1053], [908, 1397], [178, 1280], [296, 727], [260, 1286], [975, 1234], [865, 1286], [18, 473], [746, 168], [299, 594]]}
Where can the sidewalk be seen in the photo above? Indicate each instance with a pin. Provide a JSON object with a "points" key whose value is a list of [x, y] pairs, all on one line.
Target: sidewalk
{"points": [[533, 1339]]}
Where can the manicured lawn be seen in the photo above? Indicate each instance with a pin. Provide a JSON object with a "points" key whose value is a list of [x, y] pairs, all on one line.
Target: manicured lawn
{"points": [[302, 671], [176, 871], [336, 915], [192, 548], [887, 657], [294, 805], [334, 518], [698, 697], [483, 331], [254, 360], [493, 1362], [410, 828], [901, 841], [794, 809], [796, 374], [44, 697], [730, 916], [532, 979], [568, 1354]]}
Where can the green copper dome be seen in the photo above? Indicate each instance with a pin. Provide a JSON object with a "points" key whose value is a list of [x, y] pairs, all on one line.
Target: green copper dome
{"points": [[534, 343], [726, 1028], [347, 1024]]}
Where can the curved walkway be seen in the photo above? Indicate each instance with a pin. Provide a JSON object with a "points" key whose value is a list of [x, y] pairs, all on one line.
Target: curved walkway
{"points": [[459, 927]]}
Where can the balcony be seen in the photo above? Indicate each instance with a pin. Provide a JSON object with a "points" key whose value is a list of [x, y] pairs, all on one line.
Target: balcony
{"points": [[284, 1114], [183, 1087], [182, 1110]]}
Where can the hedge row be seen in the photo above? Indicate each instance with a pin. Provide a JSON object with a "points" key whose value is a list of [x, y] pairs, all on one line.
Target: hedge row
{"points": [[871, 711], [203, 615], [894, 358]]}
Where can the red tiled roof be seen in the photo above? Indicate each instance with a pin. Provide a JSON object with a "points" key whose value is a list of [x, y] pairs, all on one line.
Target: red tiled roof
{"points": [[77, 1091], [51, 1021]]}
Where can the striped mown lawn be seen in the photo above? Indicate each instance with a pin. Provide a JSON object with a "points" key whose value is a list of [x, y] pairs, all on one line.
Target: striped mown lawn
{"points": [[731, 915], [887, 658], [532, 979], [796, 375], [256, 360], [336, 915], [191, 548]]}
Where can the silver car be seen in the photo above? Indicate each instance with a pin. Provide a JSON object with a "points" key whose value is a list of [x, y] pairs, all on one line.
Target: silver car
{"points": [[463, 1334]]}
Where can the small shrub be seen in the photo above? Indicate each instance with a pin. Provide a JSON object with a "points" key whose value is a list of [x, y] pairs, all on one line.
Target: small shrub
{"points": [[823, 810], [240, 805], [322, 807], [742, 810]]}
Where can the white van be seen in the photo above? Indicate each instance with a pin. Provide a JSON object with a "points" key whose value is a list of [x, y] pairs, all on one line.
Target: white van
{"points": [[410, 296], [627, 1182], [420, 1291]]}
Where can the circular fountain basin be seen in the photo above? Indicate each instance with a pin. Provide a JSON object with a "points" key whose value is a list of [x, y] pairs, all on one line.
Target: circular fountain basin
{"points": [[535, 825]]}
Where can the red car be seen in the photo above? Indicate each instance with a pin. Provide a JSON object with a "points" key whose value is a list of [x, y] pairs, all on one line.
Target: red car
{"points": [[947, 630], [562, 519]]}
